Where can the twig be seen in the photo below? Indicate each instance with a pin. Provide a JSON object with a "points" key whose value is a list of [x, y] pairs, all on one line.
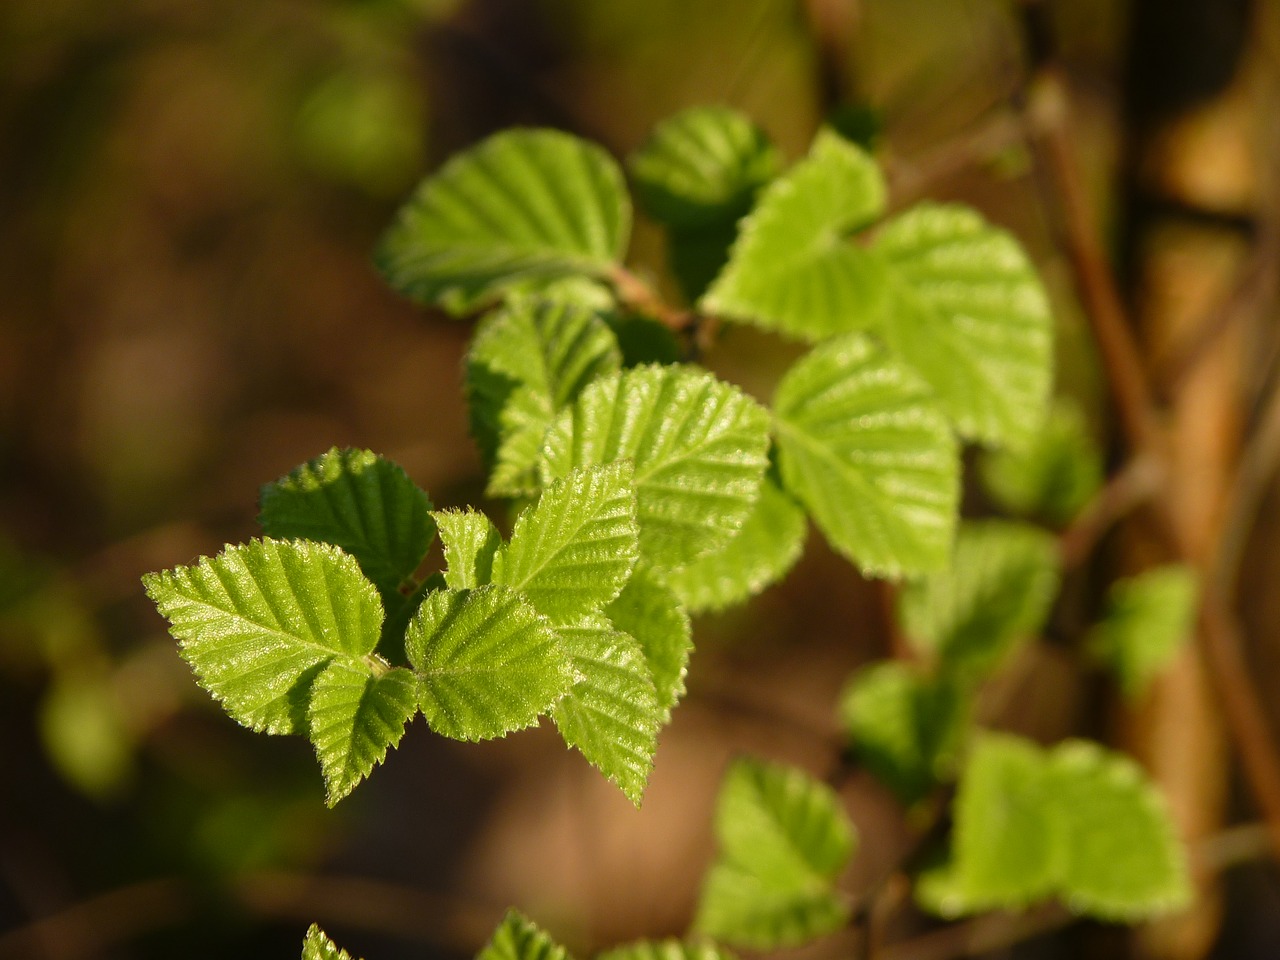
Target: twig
{"points": [[983, 934], [909, 179], [1136, 482], [1220, 644], [639, 295]]}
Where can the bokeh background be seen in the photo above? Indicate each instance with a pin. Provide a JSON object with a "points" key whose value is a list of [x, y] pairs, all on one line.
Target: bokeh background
{"points": [[189, 193]]}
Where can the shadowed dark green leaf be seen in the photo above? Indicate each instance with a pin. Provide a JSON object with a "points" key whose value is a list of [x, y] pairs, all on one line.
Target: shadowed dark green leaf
{"points": [[648, 610], [356, 500], [998, 590], [528, 362]]}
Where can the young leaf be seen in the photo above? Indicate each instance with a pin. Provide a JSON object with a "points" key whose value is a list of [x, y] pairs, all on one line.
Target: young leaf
{"points": [[259, 621], [521, 205], [571, 553], [861, 444], [699, 447], [355, 715], [1123, 861], [765, 549], [1078, 822], [1053, 476], [487, 662], [470, 543], [528, 362], [667, 950], [968, 312], [904, 726], [611, 713], [792, 268], [1148, 619], [360, 502], [519, 938], [648, 610], [998, 590], [317, 946], [783, 840], [702, 166], [1008, 846]]}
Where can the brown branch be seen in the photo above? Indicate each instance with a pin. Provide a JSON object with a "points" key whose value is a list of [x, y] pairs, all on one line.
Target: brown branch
{"points": [[637, 294], [911, 178], [1135, 483], [1219, 640], [983, 934]]}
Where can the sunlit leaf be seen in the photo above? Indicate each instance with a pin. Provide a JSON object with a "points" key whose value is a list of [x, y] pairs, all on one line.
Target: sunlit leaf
{"points": [[649, 611], [571, 553], [470, 543], [699, 447], [667, 950], [259, 621], [355, 714], [764, 550], [863, 446], [793, 268], [487, 662], [523, 204], [611, 712], [317, 946], [519, 938], [967, 311]]}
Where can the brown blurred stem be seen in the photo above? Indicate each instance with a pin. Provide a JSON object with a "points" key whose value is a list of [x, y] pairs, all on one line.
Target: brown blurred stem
{"points": [[1138, 414]]}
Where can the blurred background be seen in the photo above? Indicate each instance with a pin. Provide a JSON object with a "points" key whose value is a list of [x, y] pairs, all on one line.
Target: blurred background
{"points": [[189, 194]]}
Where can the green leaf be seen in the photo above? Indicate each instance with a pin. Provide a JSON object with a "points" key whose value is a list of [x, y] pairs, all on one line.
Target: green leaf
{"points": [[792, 268], [355, 715], [611, 713], [528, 362], [699, 447], [667, 950], [1008, 845], [998, 590], [259, 621], [1078, 822], [317, 946], [470, 543], [519, 938], [521, 205], [703, 165], [648, 610], [1148, 619], [1123, 860], [783, 840], [571, 553], [904, 727], [861, 444], [968, 312], [1053, 476], [696, 255], [360, 502], [644, 340], [487, 662], [764, 550]]}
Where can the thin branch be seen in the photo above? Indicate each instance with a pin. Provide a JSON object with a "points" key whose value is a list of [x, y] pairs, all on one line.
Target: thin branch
{"points": [[1134, 484], [639, 295], [983, 934], [910, 179]]}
